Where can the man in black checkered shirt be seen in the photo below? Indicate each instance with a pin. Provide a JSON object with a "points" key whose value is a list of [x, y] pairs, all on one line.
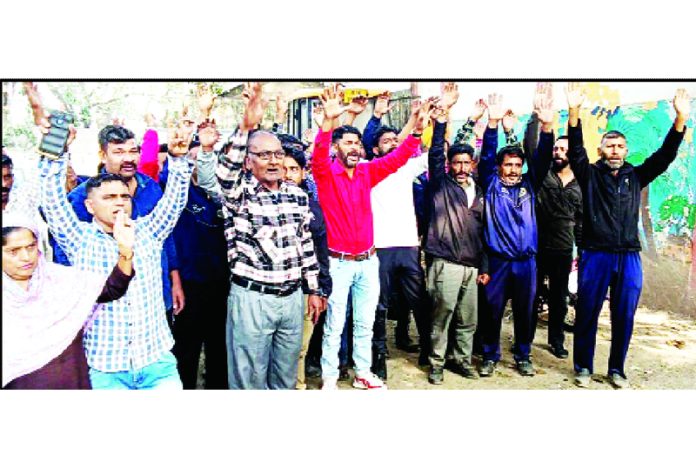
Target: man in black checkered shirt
{"points": [[271, 256]]}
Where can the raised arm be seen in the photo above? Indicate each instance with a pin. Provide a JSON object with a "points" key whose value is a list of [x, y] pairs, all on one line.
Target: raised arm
{"points": [[466, 132], [540, 162], [489, 148], [577, 155], [66, 228], [331, 110], [382, 107], [357, 106], [161, 221], [660, 160], [382, 167]]}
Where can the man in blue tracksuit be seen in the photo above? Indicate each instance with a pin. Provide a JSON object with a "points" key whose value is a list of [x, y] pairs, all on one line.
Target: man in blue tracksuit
{"points": [[610, 246], [510, 234]]}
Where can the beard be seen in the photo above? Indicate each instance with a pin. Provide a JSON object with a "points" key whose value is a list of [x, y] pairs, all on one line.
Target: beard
{"points": [[560, 164], [614, 164]]}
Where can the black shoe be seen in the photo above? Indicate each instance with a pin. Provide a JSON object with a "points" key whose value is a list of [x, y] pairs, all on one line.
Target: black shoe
{"points": [[343, 374], [526, 368], [559, 351], [436, 376], [423, 360], [312, 371], [408, 346], [465, 370], [379, 366], [487, 368]]}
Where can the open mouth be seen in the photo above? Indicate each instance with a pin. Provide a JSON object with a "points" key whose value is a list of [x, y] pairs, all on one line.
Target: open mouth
{"points": [[128, 167]]}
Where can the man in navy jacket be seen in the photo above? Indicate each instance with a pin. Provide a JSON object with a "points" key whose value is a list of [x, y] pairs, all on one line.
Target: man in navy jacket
{"points": [[510, 233], [610, 246]]}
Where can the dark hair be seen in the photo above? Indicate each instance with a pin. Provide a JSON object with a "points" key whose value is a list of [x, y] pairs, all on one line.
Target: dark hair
{"points": [[511, 150], [290, 141], [342, 130], [97, 181], [7, 161], [562, 137], [381, 131], [163, 148], [6, 231], [613, 134], [297, 155], [114, 134], [460, 149]]}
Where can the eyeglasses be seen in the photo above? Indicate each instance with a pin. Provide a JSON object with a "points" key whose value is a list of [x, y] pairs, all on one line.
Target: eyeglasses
{"points": [[266, 155]]}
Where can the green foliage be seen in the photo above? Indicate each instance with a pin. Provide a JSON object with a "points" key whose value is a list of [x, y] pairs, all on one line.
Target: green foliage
{"points": [[19, 137], [676, 211]]}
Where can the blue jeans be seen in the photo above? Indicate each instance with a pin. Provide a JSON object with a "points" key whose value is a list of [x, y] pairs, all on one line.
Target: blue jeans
{"points": [[361, 279], [160, 375]]}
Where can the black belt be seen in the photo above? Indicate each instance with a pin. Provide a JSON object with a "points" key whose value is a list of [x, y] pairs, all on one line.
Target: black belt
{"points": [[264, 289]]}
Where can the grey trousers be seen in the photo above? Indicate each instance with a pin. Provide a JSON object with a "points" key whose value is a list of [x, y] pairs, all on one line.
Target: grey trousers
{"points": [[264, 337], [454, 294]]}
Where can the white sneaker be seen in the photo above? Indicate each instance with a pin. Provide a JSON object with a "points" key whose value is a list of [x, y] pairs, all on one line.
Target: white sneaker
{"points": [[368, 381], [330, 384]]}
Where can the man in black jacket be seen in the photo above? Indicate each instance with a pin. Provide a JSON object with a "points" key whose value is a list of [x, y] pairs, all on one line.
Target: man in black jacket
{"points": [[559, 218], [453, 244], [610, 245], [294, 165]]}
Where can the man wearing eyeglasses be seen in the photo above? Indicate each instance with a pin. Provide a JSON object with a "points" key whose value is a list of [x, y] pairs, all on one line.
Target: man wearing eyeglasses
{"points": [[271, 255]]}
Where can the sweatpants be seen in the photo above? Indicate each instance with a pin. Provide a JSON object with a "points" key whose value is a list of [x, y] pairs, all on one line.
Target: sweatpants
{"points": [[516, 280], [622, 274]]}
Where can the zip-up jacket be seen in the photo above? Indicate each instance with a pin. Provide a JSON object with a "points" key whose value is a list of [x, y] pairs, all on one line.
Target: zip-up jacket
{"points": [[510, 227], [611, 203], [454, 231]]}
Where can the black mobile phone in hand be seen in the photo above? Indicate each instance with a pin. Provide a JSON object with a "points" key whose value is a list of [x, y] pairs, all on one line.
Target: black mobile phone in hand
{"points": [[53, 143]]}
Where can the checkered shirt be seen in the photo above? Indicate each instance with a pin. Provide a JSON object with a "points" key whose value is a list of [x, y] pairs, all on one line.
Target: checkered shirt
{"points": [[132, 332], [268, 236]]}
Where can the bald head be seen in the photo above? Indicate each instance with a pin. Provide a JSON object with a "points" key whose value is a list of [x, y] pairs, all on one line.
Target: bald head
{"points": [[265, 158]]}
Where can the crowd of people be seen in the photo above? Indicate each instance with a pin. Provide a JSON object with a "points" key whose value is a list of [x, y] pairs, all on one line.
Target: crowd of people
{"points": [[283, 258]]}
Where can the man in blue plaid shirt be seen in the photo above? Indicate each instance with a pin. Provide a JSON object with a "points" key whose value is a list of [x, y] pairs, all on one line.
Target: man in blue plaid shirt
{"points": [[128, 342]]}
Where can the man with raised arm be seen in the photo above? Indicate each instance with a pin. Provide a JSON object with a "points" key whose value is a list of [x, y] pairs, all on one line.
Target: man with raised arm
{"points": [[511, 234], [610, 245], [127, 345], [453, 244], [344, 188], [271, 255]]}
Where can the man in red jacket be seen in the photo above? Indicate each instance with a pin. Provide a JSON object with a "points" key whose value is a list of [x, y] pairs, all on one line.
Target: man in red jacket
{"points": [[344, 188]]}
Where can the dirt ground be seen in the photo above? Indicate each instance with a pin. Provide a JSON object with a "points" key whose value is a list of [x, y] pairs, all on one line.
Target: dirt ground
{"points": [[662, 356]]}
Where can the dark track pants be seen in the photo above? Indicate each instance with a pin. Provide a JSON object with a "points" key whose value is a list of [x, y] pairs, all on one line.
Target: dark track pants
{"points": [[399, 267], [599, 271], [555, 265], [202, 323], [515, 279]]}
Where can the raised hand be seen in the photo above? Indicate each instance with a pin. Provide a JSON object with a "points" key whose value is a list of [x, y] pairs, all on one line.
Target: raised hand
{"points": [[357, 105], [382, 106], [37, 110], [509, 120], [150, 120], [281, 104], [124, 233], [495, 108], [543, 99], [682, 104], [206, 101], [331, 102], [575, 94], [318, 114], [179, 140], [449, 96], [255, 104], [478, 110], [424, 114]]}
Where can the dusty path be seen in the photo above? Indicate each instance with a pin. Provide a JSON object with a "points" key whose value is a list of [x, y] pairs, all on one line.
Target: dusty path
{"points": [[662, 356]]}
